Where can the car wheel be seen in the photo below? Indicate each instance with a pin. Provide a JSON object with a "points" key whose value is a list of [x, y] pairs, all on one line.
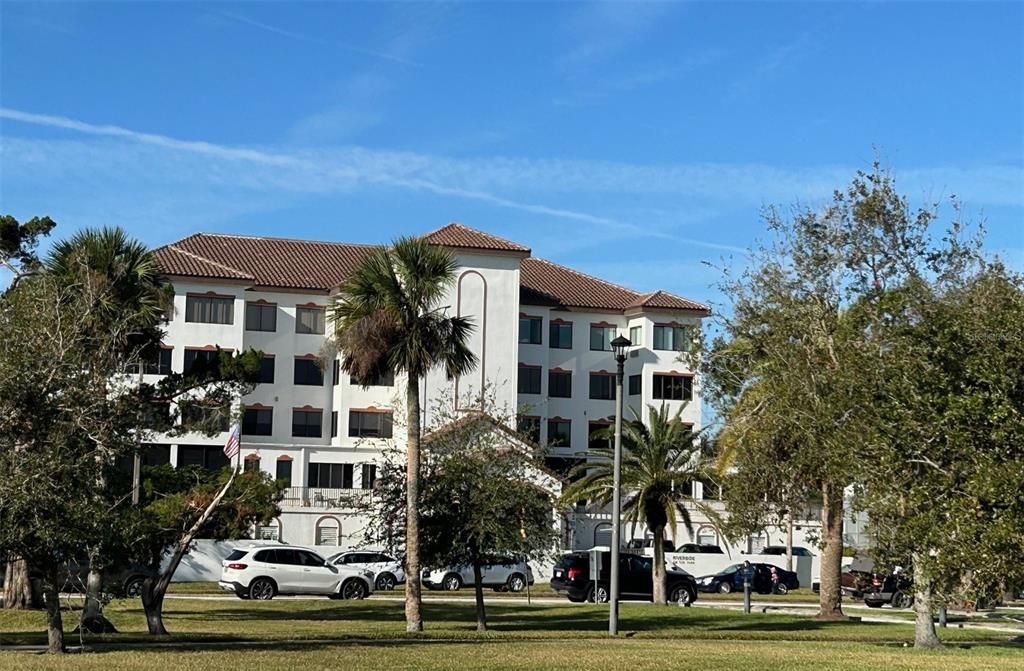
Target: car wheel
{"points": [[133, 586], [262, 589], [451, 583], [725, 587], [872, 604], [600, 596], [516, 582], [386, 582], [354, 588], [902, 600], [681, 595], [781, 588]]}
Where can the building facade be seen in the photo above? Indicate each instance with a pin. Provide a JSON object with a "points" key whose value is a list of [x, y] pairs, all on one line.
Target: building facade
{"points": [[542, 334]]}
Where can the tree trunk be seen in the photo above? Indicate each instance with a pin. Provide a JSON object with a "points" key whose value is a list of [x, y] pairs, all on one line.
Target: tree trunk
{"points": [[18, 593], [92, 615], [478, 588], [830, 596], [153, 606], [924, 624], [413, 596], [658, 573], [54, 624]]}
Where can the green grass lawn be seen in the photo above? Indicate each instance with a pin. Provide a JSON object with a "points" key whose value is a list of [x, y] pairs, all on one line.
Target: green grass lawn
{"points": [[291, 633]]}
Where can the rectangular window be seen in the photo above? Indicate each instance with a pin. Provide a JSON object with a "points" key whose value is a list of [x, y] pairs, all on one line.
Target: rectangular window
{"points": [[156, 455], [595, 440], [529, 379], [382, 380], [670, 338], [602, 386], [258, 422], [267, 370], [673, 387], [308, 372], [210, 309], [529, 426], [636, 336], [205, 357], [334, 424], [335, 373], [195, 416], [284, 471], [560, 335], [601, 338], [329, 476], [560, 383], [160, 364], [309, 320], [529, 330], [251, 465], [559, 433], [635, 385], [307, 423], [369, 476], [211, 457], [260, 317], [362, 424]]}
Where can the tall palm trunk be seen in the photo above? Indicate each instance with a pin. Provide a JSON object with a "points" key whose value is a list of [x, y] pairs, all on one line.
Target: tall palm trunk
{"points": [[413, 596], [830, 597], [658, 573], [924, 624]]}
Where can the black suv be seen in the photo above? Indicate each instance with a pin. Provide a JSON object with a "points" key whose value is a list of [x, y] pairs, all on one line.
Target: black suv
{"points": [[571, 577]]}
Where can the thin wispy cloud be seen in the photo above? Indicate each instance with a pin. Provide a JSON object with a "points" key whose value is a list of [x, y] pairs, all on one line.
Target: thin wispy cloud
{"points": [[291, 34], [673, 200]]}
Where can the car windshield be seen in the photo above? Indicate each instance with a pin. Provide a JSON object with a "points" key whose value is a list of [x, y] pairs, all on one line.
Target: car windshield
{"points": [[731, 569], [334, 557]]}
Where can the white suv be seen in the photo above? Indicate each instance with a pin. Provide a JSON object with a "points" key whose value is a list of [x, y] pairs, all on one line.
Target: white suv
{"points": [[387, 571], [262, 572], [506, 576]]}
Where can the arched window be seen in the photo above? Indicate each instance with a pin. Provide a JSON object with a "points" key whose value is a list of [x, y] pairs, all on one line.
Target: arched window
{"points": [[269, 532], [707, 535], [603, 534], [328, 531]]}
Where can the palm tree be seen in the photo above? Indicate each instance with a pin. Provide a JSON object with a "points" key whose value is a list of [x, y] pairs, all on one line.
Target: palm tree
{"points": [[388, 319], [122, 276], [659, 460], [121, 282]]}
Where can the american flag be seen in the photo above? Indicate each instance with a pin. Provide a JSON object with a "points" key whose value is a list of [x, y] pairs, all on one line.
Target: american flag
{"points": [[234, 444]]}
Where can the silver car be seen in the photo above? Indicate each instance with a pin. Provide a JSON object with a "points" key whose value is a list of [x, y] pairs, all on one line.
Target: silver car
{"points": [[506, 576], [387, 571]]}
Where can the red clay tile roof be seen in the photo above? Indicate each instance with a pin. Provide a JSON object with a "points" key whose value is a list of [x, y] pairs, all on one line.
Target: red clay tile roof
{"points": [[665, 300], [464, 237], [268, 262], [323, 266]]}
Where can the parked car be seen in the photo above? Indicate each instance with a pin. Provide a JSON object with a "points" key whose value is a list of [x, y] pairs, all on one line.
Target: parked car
{"points": [[508, 575], [263, 572], [387, 571], [851, 582], [571, 576], [124, 581], [730, 579], [798, 551], [895, 589], [700, 548], [641, 543]]}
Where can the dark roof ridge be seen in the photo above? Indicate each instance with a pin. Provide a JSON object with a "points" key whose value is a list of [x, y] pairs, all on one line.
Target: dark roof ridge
{"points": [[197, 257], [273, 238]]}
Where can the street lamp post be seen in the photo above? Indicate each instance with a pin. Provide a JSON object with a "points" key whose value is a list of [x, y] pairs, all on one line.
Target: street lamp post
{"points": [[619, 346]]}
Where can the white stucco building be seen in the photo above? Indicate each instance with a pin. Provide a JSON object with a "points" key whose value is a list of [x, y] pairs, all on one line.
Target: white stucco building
{"points": [[542, 334]]}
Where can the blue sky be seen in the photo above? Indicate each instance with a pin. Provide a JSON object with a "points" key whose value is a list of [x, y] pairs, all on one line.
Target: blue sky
{"points": [[630, 140]]}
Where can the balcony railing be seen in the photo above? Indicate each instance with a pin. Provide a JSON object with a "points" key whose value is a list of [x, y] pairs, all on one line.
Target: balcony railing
{"points": [[323, 497]]}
